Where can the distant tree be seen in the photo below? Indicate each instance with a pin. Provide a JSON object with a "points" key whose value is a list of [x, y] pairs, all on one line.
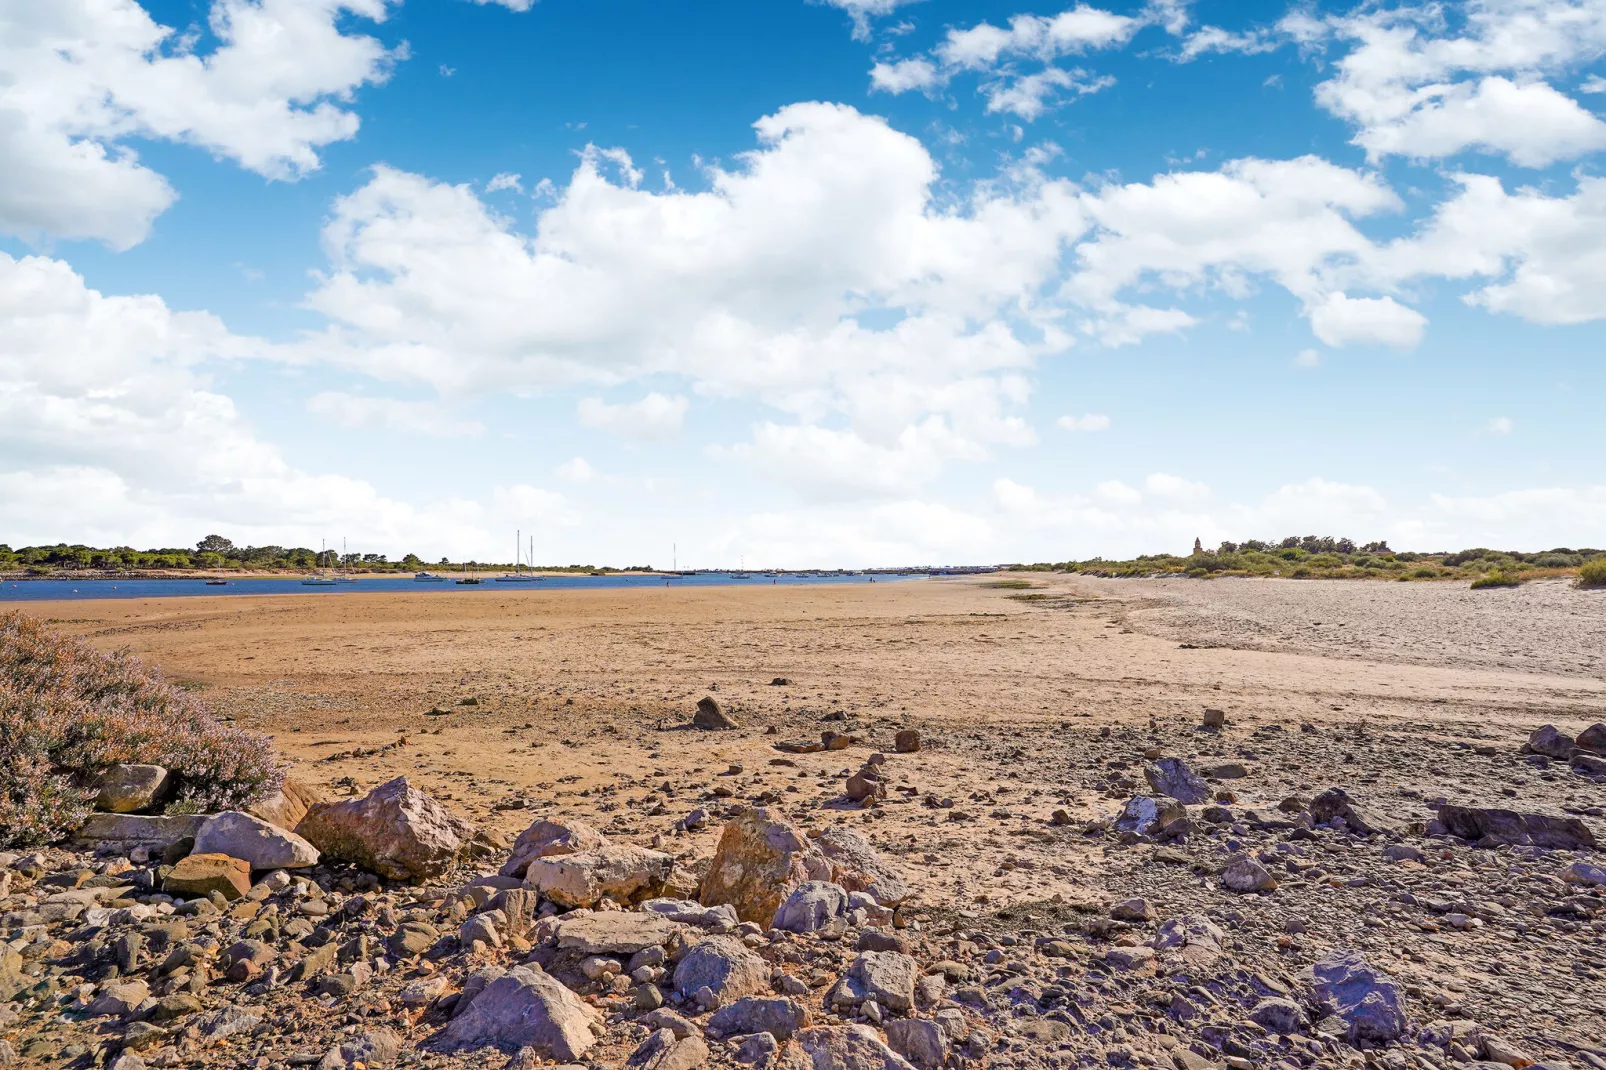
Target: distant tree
{"points": [[412, 561], [214, 544]]}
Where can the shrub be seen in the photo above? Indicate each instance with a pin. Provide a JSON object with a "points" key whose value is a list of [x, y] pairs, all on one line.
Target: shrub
{"points": [[68, 711], [1496, 579], [1593, 573]]}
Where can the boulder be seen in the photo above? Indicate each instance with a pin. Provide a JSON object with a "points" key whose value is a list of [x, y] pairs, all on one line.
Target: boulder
{"points": [[847, 1047], [264, 846], [857, 866], [621, 872], [13, 976], [548, 837], [866, 784], [395, 830], [920, 1041], [812, 906], [1494, 827], [1593, 738], [1193, 938], [1172, 777], [1243, 874], [1585, 873], [886, 977], [202, 874], [689, 912], [124, 832], [377, 1047], [711, 716], [1278, 1015], [1214, 718], [118, 998], [1550, 741], [906, 741], [1145, 815], [1368, 1000], [663, 1050], [759, 861], [614, 932], [526, 1008], [287, 806], [125, 789], [776, 1015], [725, 966], [1334, 806], [1586, 764]]}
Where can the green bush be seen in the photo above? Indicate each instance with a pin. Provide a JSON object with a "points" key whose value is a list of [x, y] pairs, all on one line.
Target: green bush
{"points": [[68, 711], [1496, 579], [1593, 573]]}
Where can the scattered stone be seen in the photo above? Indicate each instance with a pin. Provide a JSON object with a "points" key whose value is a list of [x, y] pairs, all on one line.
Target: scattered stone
{"points": [[1144, 815], [621, 872], [906, 741], [665, 1051], [1551, 742], [125, 832], [848, 1047], [526, 1008], [201, 874], [286, 806], [724, 966], [857, 866], [614, 932], [1278, 1015], [1135, 909], [812, 906], [118, 998], [711, 716], [1368, 1000], [378, 1047], [1492, 827], [886, 977], [254, 840], [1334, 806], [395, 830], [776, 1015], [1214, 718], [548, 837], [920, 1041], [759, 861], [1593, 738], [126, 789], [1172, 777]]}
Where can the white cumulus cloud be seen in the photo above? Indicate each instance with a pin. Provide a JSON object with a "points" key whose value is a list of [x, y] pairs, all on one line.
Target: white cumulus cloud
{"points": [[1093, 421], [655, 416], [359, 413]]}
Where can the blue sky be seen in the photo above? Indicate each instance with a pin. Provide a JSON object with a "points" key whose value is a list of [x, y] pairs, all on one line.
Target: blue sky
{"points": [[839, 283]]}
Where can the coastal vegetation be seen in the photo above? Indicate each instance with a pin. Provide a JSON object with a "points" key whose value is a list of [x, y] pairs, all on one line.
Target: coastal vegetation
{"points": [[68, 712], [1325, 557]]}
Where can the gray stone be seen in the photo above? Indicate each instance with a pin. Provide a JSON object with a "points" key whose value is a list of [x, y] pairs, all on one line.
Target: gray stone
{"points": [[1551, 742], [1334, 806], [711, 716], [776, 1015], [621, 872], [1145, 815], [858, 867], [125, 789], [378, 1047], [614, 932], [264, 846], [724, 966], [1494, 827], [1192, 937], [1278, 1015], [395, 830], [848, 1047], [754, 1049], [920, 1041], [548, 837], [1243, 874], [689, 912], [526, 1008], [118, 998], [1135, 909], [1368, 1000], [668, 1019], [1593, 738], [127, 831], [1172, 777], [811, 907], [887, 977], [663, 1050], [760, 858], [1586, 873]]}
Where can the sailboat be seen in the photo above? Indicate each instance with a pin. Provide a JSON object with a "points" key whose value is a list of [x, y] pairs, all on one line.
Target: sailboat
{"points": [[518, 564], [343, 577], [320, 578]]}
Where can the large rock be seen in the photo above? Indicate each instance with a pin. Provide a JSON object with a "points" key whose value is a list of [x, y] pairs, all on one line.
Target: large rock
{"points": [[378, 1047], [812, 906], [13, 976], [710, 715], [859, 867], [203, 874], [118, 998], [395, 830], [1244, 874], [614, 932], [776, 1015], [548, 837], [1145, 815], [920, 1041], [526, 1008], [621, 872], [263, 845], [1493, 827], [1368, 1000], [125, 789], [848, 1047], [127, 831], [725, 966], [1334, 806], [664, 1050], [286, 806], [1172, 777], [887, 977], [1551, 742], [1193, 938], [1593, 738], [759, 861], [690, 912]]}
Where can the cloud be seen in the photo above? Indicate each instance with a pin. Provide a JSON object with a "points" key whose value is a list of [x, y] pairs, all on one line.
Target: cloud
{"points": [[1029, 96], [655, 416], [1118, 493], [1308, 359], [861, 11], [1175, 488], [79, 78], [511, 5], [505, 180], [1093, 421], [575, 470], [1500, 425], [831, 464], [905, 75], [358, 413], [1341, 320]]}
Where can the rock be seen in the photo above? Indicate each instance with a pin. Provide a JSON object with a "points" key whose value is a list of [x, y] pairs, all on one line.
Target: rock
{"points": [[1585, 873], [1492, 827], [867, 783], [906, 741], [13, 977], [886, 977], [1145, 815], [200, 874], [754, 1049], [665, 1051], [125, 789], [1499, 1050], [920, 1041], [1191, 937], [378, 1047], [1588, 764], [1593, 738], [775, 1015], [668, 1019], [759, 861], [1215, 718], [124, 832], [246, 959], [1172, 777], [481, 928], [1278, 1015], [857, 866], [621, 872], [1225, 771], [812, 906], [724, 966], [526, 1008], [395, 830], [1369, 1001], [1551, 742], [711, 716], [847, 1047], [264, 846], [548, 837], [126, 1060], [689, 912], [287, 806], [118, 998], [1243, 874], [1135, 909], [1334, 806], [614, 932]]}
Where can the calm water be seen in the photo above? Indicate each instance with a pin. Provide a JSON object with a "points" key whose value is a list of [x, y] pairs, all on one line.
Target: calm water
{"points": [[53, 589]]}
